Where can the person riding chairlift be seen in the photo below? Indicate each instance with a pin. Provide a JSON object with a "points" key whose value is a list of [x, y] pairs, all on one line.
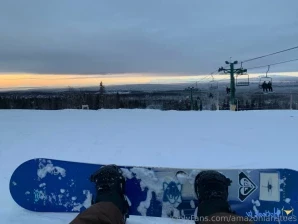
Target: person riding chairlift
{"points": [[270, 86], [267, 86]]}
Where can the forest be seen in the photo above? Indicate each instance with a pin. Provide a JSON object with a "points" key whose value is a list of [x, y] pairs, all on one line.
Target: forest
{"points": [[180, 100]]}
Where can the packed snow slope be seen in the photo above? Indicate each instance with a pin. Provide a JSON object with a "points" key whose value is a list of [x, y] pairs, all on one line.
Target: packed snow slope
{"points": [[208, 139]]}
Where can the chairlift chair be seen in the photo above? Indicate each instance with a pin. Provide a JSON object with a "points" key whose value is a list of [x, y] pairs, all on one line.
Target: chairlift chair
{"points": [[213, 85], [243, 82], [265, 79]]}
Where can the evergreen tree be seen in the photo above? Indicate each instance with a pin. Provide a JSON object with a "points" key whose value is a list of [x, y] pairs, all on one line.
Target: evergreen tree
{"points": [[101, 95], [101, 89]]}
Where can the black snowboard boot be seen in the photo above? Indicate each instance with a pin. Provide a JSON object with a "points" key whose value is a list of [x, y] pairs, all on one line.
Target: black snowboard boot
{"points": [[110, 187], [211, 189]]}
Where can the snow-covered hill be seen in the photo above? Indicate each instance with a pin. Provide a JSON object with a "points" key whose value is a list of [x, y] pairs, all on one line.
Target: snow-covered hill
{"points": [[208, 139]]}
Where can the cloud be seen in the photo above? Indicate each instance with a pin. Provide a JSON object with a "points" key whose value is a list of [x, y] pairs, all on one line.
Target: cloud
{"points": [[133, 36]]}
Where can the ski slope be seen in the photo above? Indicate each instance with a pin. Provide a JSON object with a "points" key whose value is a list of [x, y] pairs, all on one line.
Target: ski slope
{"points": [[207, 139]]}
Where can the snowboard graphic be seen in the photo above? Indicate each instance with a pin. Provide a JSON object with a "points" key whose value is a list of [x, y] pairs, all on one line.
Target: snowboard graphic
{"points": [[46, 185]]}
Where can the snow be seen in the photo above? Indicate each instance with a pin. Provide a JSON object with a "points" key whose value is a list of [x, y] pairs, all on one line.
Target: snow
{"points": [[248, 139], [49, 168]]}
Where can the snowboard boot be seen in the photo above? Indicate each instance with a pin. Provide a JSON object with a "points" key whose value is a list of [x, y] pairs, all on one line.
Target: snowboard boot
{"points": [[211, 189], [110, 187]]}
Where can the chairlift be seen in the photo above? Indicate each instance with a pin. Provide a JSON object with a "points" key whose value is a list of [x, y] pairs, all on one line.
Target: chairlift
{"points": [[213, 84], [242, 81], [265, 79]]}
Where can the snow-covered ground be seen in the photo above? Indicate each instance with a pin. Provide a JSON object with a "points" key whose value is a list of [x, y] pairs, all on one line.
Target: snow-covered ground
{"points": [[253, 139]]}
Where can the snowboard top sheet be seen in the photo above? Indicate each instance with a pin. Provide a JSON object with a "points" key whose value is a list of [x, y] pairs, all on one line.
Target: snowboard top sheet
{"points": [[47, 185]]}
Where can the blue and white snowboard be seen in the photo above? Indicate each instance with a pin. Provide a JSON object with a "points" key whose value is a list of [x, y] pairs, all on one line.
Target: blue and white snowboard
{"points": [[47, 185]]}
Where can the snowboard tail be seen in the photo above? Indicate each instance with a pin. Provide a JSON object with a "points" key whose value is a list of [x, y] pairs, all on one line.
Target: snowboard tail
{"points": [[46, 185]]}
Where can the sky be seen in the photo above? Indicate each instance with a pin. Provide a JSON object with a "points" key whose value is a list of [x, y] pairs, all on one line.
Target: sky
{"points": [[138, 39]]}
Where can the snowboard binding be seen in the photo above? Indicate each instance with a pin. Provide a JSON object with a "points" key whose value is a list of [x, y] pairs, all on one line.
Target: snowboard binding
{"points": [[211, 188], [110, 187], [212, 185]]}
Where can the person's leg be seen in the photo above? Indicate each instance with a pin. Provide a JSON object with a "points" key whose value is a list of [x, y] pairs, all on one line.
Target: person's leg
{"points": [[100, 213], [211, 189], [110, 205]]}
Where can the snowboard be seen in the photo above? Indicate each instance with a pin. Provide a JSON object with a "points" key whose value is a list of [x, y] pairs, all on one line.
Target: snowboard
{"points": [[48, 185]]}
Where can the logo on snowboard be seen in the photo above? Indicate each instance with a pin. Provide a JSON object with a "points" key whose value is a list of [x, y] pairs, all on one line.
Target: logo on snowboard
{"points": [[172, 192], [247, 187]]}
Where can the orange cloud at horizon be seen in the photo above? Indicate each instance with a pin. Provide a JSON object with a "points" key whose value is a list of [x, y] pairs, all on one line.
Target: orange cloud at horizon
{"points": [[35, 80], [22, 80]]}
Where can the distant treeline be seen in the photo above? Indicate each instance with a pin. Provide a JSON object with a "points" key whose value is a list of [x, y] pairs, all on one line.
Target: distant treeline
{"points": [[167, 100], [75, 100]]}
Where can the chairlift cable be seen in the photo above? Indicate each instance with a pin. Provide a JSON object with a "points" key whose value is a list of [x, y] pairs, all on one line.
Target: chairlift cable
{"points": [[278, 63], [278, 52], [210, 74]]}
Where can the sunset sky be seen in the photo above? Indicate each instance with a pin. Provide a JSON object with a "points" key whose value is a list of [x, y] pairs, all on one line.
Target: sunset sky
{"points": [[80, 43]]}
